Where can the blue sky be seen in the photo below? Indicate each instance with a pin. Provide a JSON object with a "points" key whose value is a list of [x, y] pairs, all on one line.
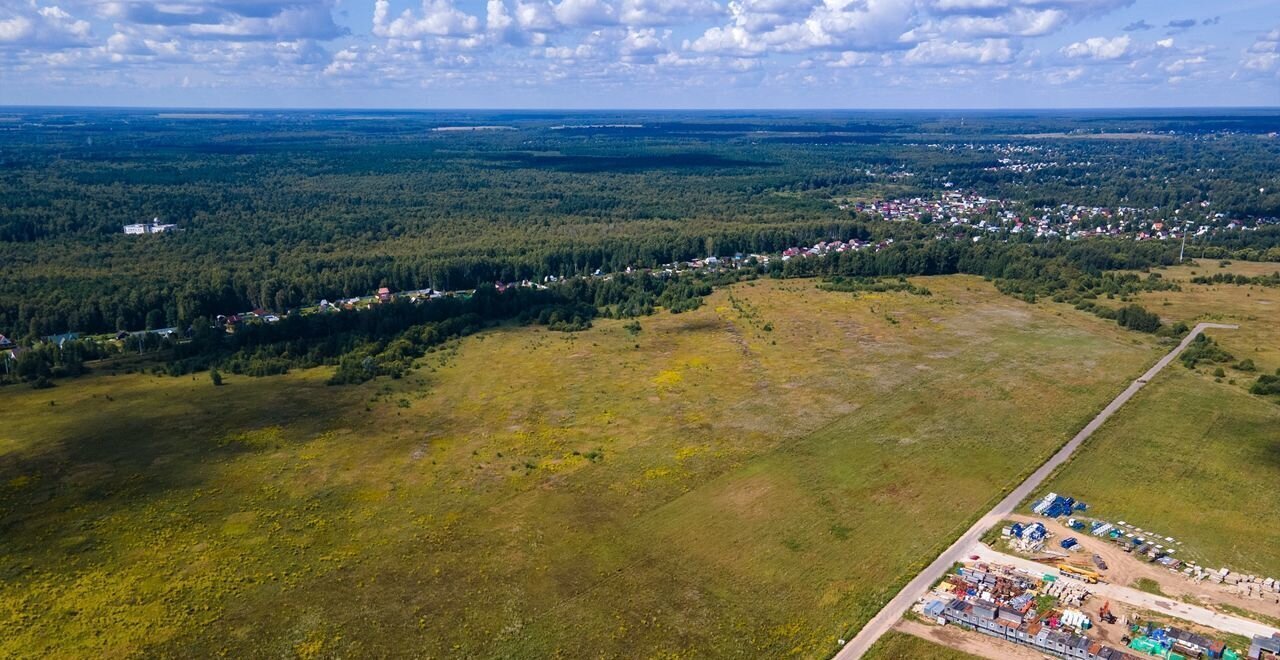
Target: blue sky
{"points": [[640, 53]]}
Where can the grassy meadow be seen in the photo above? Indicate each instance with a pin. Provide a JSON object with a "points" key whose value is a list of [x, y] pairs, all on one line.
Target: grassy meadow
{"points": [[1193, 456], [750, 479]]}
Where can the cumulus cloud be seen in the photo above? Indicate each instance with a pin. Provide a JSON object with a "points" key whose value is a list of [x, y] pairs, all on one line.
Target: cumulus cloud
{"points": [[536, 16], [1264, 55], [1008, 18], [851, 59], [576, 13], [439, 18], [645, 42], [1099, 48], [266, 20], [761, 26], [620, 43], [666, 12], [1183, 65], [988, 51], [31, 26]]}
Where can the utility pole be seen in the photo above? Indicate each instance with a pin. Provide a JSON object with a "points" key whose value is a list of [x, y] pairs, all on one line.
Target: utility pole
{"points": [[1183, 252]]}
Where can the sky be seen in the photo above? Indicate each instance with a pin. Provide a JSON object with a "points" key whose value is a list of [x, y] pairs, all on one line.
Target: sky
{"points": [[585, 54]]}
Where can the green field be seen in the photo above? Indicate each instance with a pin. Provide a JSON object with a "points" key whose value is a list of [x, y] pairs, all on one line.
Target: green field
{"points": [[1193, 456], [898, 645], [753, 478]]}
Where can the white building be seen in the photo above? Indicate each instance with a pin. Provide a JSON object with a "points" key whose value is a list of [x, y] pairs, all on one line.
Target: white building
{"points": [[154, 227]]}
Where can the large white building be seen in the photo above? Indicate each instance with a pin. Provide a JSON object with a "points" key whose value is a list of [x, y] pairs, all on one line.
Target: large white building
{"points": [[153, 227]]}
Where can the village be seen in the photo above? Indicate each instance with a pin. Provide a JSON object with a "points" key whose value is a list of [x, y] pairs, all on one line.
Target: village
{"points": [[1053, 583], [970, 210]]}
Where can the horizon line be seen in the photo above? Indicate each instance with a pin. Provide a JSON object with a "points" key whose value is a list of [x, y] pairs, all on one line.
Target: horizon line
{"points": [[4, 107]]}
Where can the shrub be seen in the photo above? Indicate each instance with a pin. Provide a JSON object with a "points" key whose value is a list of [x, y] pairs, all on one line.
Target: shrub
{"points": [[1136, 317], [1204, 349], [1266, 385]]}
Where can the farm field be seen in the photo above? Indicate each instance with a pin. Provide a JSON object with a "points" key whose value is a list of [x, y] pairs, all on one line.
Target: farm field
{"points": [[753, 478], [1194, 456]]}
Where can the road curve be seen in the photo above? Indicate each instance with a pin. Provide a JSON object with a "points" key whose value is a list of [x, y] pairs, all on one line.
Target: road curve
{"points": [[895, 608]]}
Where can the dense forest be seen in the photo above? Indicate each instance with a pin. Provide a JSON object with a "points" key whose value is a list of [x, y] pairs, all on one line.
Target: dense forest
{"points": [[279, 210]]}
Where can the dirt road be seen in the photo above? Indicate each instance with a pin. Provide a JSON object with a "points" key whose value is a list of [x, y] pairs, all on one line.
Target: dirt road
{"points": [[895, 608]]}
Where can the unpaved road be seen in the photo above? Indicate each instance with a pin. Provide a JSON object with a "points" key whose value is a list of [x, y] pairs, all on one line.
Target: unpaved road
{"points": [[895, 608], [1139, 599]]}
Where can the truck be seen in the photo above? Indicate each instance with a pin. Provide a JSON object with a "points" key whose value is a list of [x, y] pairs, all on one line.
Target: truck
{"points": [[1079, 573]]}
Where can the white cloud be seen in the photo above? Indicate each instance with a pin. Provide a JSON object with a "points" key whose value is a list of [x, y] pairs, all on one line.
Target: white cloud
{"points": [[666, 12], [1184, 65], [576, 13], [761, 26], [440, 18], [642, 43], [504, 28], [851, 59], [232, 20], [606, 44], [536, 16], [988, 51], [1099, 48], [29, 26], [1064, 76], [1263, 55]]}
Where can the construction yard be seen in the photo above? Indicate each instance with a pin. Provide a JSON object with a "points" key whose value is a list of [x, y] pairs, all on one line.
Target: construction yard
{"points": [[1065, 584], [1125, 568], [1069, 614]]}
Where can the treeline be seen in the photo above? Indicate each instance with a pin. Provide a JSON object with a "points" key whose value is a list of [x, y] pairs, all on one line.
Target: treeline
{"points": [[380, 333], [386, 339], [1238, 280], [175, 293], [874, 285]]}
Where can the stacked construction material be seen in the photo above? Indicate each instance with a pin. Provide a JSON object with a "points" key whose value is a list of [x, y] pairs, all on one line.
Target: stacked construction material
{"points": [[1054, 505]]}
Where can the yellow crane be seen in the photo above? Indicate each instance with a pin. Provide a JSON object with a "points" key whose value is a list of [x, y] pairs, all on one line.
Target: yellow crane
{"points": [[1079, 573]]}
